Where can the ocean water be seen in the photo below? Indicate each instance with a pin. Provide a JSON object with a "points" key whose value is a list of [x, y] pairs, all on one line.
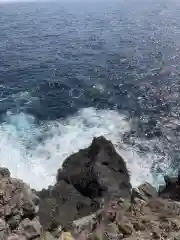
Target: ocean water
{"points": [[72, 70]]}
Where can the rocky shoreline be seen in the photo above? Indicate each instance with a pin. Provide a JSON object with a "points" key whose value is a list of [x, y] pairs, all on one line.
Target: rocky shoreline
{"points": [[92, 199]]}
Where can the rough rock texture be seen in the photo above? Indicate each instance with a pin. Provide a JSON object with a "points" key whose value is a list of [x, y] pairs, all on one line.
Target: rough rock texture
{"points": [[91, 200], [18, 209], [171, 189], [31, 229], [97, 171], [46, 236], [144, 191], [152, 218], [16, 197], [61, 204], [4, 230], [85, 179]]}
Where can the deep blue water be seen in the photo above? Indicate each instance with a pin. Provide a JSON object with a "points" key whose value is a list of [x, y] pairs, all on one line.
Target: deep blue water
{"points": [[72, 70]]}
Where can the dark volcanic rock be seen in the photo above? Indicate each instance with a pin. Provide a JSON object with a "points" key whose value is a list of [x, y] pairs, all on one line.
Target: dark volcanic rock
{"points": [[86, 178], [61, 204], [92, 199], [97, 171], [4, 173], [171, 189]]}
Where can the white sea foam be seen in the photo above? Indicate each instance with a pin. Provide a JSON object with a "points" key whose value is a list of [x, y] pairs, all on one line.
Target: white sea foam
{"points": [[36, 162]]}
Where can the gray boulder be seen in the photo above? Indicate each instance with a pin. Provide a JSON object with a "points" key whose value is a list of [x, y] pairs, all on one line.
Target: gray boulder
{"points": [[30, 229], [144, 192], [16, 197], [4, 230], [85, 179]]}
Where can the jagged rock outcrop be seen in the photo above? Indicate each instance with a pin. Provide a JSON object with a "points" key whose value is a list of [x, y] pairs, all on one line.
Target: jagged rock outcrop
{"points": [[144, 192], [85, 179], [92, 199], [62, 204], [97, 171], [145, 217], [18, 209], [16, 198], [171, 189]]}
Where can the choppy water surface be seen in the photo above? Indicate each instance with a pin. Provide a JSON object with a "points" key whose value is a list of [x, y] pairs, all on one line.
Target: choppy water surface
{"points": [[72, 70]]}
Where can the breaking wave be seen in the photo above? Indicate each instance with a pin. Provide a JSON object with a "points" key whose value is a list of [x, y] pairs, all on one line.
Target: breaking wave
{"points": [[34, 152]]}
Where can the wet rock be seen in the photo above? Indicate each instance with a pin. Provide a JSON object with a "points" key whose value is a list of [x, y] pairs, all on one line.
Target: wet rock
{"points": [[4, 173], [171, 188], [97, 171], [161, 189], [86, 178], [170, 180], [107, 213], [148, 190], [144, 192]]}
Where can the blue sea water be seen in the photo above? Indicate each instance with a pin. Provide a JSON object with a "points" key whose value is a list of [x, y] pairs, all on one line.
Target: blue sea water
{"points": [[72, 70]]}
